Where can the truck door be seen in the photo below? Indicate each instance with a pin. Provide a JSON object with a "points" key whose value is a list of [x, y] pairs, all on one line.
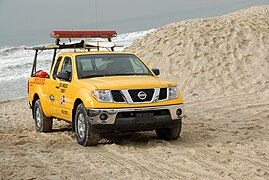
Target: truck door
{"points": [[51, 88], [64, 100]]}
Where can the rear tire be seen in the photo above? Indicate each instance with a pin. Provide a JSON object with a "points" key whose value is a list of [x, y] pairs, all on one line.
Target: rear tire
{"points": [[83, 128], [42, 122], [169, 133]]}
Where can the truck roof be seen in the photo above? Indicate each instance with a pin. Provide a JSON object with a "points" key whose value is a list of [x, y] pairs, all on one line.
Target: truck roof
{"points": [[91, 52]]}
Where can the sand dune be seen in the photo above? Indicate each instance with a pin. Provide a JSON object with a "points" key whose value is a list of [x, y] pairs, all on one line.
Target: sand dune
{"points": [[221, 66], [212, 57]]}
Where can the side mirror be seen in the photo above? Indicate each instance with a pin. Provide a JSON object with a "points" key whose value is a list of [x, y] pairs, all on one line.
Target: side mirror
{"points": [[63, 75], [156, 71]]}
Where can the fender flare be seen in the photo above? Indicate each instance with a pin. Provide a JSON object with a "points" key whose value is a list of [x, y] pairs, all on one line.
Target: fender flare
{"points": [[43, 100], [85, 95]]}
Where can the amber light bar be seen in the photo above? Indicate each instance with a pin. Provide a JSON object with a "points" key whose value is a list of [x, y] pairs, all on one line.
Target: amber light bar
{"points": [[83, 34]]}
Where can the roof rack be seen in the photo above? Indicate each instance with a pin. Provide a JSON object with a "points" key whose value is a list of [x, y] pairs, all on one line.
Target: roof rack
{"points": [[81, 45], [79, 34]]}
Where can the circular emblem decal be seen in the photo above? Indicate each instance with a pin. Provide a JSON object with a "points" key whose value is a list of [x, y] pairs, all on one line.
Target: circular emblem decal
{"points": [[142, 95], [62, 100]]}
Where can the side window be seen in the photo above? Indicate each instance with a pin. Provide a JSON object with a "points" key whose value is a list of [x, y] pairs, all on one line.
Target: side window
{"points": [[56, 67], [67, 65]]}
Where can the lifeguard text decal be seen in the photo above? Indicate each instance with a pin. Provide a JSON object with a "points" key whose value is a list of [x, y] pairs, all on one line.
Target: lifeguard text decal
{"points": [[39, 81]]}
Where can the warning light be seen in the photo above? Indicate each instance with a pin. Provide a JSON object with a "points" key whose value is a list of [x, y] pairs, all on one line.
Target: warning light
{"points": [[83, 34]]}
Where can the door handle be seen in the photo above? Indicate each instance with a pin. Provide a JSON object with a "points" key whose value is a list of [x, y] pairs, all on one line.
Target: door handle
{"points": [[57, 87]]}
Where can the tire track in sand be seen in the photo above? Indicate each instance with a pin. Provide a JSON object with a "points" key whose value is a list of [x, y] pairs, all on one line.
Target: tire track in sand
{"points": [[241, 157], [221, 169], [207, 166], [254, 162], [164, 171], [179, 169], [115, 159]]}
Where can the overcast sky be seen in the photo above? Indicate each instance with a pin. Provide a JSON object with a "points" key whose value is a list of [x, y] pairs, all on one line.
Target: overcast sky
{"points": [[29, 22]]}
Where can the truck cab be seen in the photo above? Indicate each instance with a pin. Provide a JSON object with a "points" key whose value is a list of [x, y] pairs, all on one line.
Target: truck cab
{"points": [[101, 92]]}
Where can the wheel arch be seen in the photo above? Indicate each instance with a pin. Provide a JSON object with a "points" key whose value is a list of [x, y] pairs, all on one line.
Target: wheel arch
{"points": [[36, 97], [78, 101]]}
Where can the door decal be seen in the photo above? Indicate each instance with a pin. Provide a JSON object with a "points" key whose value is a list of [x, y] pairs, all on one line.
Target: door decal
{"points": [[62, 100]]}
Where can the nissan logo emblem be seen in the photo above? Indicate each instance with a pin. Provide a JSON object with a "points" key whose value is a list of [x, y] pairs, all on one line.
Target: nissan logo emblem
{"points": [[142, 95]]}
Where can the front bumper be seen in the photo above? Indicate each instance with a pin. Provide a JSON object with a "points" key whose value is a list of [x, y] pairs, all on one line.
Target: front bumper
{"points": [[127, 119]]}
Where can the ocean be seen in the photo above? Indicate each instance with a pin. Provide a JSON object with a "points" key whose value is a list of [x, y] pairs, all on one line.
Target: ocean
{"points": [[16, 65]]}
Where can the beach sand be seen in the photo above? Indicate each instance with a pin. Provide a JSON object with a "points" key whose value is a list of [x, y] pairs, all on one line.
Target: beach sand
{"points": [[222, 138], [221, 67]]}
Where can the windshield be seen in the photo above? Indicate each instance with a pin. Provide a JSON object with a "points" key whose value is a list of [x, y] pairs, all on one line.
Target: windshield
{"points": [[98, 65]]}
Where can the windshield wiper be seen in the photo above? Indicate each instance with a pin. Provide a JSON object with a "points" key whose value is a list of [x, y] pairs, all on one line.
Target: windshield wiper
{"points": [[91, 76], [118, 74]]}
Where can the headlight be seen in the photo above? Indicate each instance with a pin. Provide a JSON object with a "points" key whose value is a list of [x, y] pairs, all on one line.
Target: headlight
{"points": [[172, 93], [102, 95]]}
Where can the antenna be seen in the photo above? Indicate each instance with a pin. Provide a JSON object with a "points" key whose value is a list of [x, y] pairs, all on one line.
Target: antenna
{"points": [[96, 20], [96, 15]]}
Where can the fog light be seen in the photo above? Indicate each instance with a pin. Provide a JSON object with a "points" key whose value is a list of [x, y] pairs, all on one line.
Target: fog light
{"points": [[103, 117], [179, 112]]}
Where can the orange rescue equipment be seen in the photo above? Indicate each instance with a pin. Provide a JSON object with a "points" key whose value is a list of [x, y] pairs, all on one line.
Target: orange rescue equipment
{"points": [[41, 74]]}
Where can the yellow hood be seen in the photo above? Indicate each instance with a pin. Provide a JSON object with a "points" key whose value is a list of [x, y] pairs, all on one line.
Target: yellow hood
{"points": [[128, 82]]}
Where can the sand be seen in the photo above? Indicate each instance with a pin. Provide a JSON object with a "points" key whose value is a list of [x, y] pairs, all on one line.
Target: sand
{"points": [[224, 80], [222, 138], [212, 57]]}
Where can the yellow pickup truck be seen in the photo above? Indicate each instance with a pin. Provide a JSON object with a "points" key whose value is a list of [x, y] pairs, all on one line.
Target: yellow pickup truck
{"points": [[101, 92]]}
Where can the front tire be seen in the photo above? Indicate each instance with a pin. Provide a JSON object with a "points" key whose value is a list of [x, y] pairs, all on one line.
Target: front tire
{"points": [[169, 133], [83, 128], [42, 122]]}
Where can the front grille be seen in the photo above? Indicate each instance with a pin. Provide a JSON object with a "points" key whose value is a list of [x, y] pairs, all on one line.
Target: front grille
{"points": [[117, 96], [134, 94], [163, 94]]}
